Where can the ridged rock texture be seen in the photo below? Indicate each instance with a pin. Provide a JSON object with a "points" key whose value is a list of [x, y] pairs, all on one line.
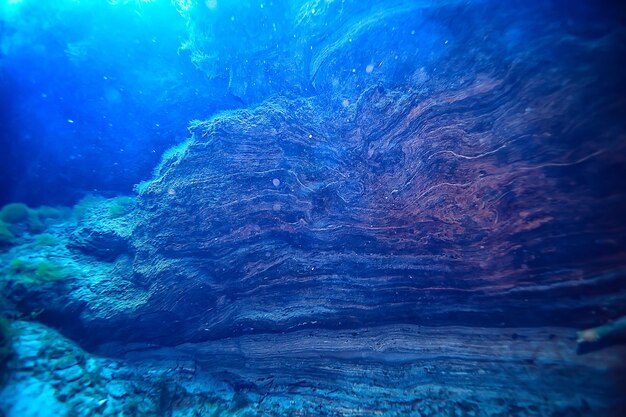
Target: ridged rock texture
{"points": [[487, 191], [472, 186]]}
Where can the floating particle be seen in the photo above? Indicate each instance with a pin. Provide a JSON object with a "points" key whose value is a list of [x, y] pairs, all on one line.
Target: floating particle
{"points": [[276, 182], [70, 121], [345, 102], [171, 191], [369, 68]]}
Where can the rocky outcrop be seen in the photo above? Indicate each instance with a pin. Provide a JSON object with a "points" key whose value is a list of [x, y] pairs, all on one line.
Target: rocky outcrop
{"points": [[103, 245], [391, 370], [476, 203], [103, 228], [483, 189], [53, 376]]}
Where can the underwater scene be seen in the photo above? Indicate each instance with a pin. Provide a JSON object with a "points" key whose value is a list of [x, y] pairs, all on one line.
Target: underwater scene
{"points": [[298, 208]]}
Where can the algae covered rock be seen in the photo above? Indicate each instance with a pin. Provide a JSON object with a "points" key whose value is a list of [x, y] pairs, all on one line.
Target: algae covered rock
{"points": [[14, 213], [105, 245], [386, 211], [17, 220], [102, 230]]}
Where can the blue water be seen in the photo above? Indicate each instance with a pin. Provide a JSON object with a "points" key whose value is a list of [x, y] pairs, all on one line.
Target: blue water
{"points": [[312, 208]]}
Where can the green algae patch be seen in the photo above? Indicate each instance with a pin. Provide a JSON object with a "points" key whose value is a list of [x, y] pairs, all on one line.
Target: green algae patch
{"points": [[47, 271], [170, 157], [15, 213], [18, 266], [36, 272], [120, 206], [46, 239], [85, 205], [35, 225], [17, 219]]}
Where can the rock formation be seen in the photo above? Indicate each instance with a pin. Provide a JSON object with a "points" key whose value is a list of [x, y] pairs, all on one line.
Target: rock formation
{"points": [[408, 226]]}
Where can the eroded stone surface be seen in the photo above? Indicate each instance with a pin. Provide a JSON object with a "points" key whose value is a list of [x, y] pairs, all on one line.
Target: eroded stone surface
{"points": [[476, 202], [391, 370]]}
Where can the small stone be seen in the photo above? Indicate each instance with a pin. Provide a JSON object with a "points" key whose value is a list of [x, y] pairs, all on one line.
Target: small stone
{"points": [[92, 366], [107, 374], [70, 374], [117, 389]]}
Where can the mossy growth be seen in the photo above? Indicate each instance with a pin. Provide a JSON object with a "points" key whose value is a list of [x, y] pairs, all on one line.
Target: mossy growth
{"points": [[170, 157], [84, 205], [47, 271], [121, 206], [34, 219], [14, 213], [35, 225], [36, 273], [46, 239], [18, 266], [53, 213]]}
